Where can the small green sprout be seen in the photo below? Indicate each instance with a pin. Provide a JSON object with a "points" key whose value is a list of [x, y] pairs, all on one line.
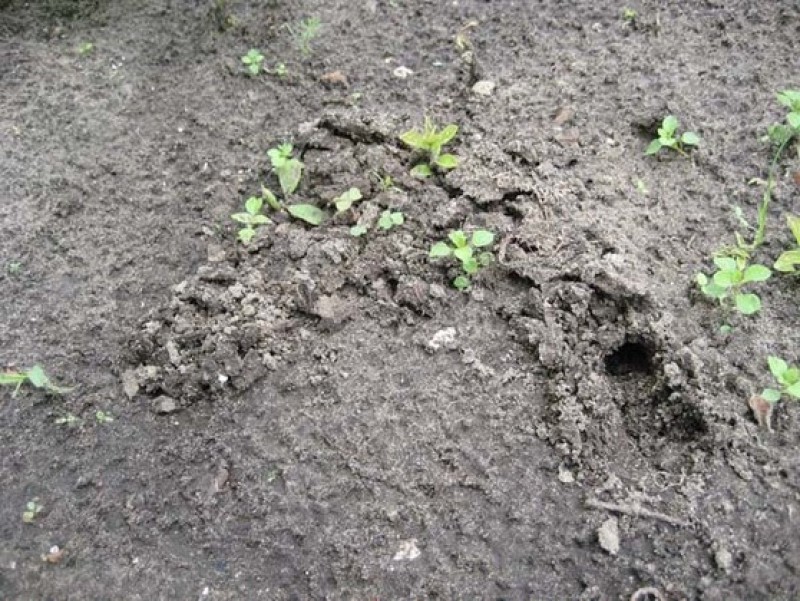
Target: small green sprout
{"points": [[781, 134], [67, 420], [102, 417], [32, 509], [390, 219], [732, 274], [281, 70], [253, 60], [790, 259], [463, 248], [629, 15], [35, 376], [251, 218], [344, 201], [304, 32], [288, 168], [358, 230], [430, 141], [305, 212], [788, 376], [385, 181], [668, 138], [85, 48], [13, 267]]}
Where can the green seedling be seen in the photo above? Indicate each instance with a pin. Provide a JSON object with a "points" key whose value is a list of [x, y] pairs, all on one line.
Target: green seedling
{"points": [[781, 134], [344, 201], [288, 168], [358, 230], [430, 142], [101, 417], [305, 212], [390, 219], [253, 61], [790, 259], [13, 267], [463, 248], [385, 181], [733, 273], [67, 420], [304, 33], [280, 70], [668, 138], [788, 376], [629, 15], [32, 509], [251, 218], [85, 48], [35, 376]]}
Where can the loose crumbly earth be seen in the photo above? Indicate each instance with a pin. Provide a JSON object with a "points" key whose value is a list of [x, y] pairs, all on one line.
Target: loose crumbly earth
{"points": [[320, 416]]}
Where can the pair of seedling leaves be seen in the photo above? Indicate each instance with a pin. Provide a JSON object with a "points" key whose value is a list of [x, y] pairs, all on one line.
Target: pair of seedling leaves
{"points": [[430, 141], [668, 137], [463, 248], [387, 220]]}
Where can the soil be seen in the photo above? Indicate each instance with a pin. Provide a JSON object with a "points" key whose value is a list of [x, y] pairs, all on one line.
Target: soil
{"points": [[320, 416]]}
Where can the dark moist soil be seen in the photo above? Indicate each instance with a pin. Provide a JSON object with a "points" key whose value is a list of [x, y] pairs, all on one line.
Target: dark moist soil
{"points": [[318, 416]]}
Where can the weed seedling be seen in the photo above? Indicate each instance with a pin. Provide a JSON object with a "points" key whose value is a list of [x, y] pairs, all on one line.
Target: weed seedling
{"points": [[726, 284], [253, 60], [304, 33], [344, 201], [251, 218], [358, 230], [430, 142], [668, 138], [35, 376], [101, 417], [790, 259], [390, 219], [280, 70], [32, 509], [781, 134], [305, 212], [68, 420], [85, 49], [463, 248], [629, 15], [788, 376], [288, 168]]}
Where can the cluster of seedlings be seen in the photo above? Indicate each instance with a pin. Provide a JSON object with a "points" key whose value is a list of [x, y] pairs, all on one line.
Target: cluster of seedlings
{"points": [[472, 251], [303, 33], [736, 270]]}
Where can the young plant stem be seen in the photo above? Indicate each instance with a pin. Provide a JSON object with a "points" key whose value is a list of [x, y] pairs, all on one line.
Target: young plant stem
{"points": [[758, 238]]}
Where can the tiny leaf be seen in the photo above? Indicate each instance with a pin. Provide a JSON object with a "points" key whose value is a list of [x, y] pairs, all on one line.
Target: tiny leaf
{"points": [[653, 147], [246, 234], [470, 265], [447, 161], [787, 260], [463, 253], [670, 125], [422, 171], [306, 212], [37, 377], [482, 238], [414, 139], [440, 249], [794, 120], [447, 134], [690, 138], [458, 238], [725, 263], [461, 282], [242, 217], [748, 304], [771, 395], [289, 175], [793, 390], [777, 366], [756, 273], [358, 230], [253, 205]]}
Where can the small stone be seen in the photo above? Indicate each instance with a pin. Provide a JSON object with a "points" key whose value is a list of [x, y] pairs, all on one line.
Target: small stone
{"points": [[402, 72], [608, 536], [724, 559], [216, 253], [335, 78], [565, 476], [173, 353], [130, 383], [164, 405], [445, 338], [408, 551], [484, 88], [55, 555]]}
